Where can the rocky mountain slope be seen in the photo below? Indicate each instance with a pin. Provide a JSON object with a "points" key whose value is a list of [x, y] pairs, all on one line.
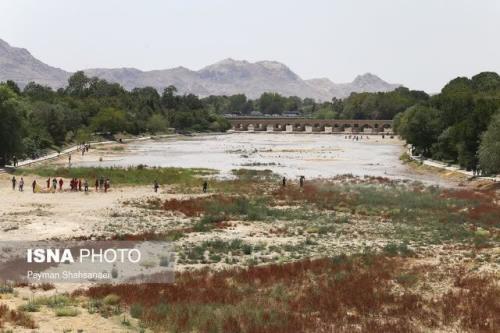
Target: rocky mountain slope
{"points": [[226, 77], [19, 65]]}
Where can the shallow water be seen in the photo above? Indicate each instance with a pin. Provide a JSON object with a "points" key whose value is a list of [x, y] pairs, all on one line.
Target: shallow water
{"points": [[290, 155]]}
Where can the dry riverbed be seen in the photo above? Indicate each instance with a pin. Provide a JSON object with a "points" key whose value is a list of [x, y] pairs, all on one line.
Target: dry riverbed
{"points": [[435, 252]]}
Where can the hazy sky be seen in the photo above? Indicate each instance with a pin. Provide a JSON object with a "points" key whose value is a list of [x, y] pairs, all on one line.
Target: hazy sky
{"points": [[421, 43]]}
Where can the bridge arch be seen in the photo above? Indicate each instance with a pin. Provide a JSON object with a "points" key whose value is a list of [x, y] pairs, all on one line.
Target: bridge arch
{"points": [[309, 124]]}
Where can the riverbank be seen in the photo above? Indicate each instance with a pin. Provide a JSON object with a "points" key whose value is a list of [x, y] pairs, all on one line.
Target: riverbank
{"points": [[75, 148], [464, 177]]}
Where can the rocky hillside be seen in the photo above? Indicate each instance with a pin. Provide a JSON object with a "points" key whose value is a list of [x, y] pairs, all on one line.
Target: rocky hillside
{"points": [[226, 77], [362, 83], [19, 65]]}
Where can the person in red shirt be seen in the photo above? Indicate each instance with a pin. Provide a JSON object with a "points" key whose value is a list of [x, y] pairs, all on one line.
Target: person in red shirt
{"points": [[79, 185], [61, 182]]}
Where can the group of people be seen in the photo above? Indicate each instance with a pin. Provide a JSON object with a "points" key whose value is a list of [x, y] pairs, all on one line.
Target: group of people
{"points": [[355, 137], [76, 185], [84, 148], [302, 180], [20, 185]]}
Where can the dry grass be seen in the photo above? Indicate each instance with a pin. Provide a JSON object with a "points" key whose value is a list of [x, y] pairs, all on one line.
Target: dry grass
{"points": [[343, 294], [15, 317]]}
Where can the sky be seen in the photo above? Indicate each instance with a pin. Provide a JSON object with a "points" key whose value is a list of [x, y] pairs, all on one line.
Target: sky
{"points": [[421, 44]]}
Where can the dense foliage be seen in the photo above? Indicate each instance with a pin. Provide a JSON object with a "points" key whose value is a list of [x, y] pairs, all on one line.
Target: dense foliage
{"points": [[451, 126], [448, 126], [380, 105], [38, 118]]}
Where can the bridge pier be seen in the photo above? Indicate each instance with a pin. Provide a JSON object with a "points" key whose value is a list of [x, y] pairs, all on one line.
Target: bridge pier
{"points": [[309, 125]]}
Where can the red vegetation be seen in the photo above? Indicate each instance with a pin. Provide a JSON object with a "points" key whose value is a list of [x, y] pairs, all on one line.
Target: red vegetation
{"points": [[193, 207], [327, 198], [483, 206], [344, 294], [17, 318]]}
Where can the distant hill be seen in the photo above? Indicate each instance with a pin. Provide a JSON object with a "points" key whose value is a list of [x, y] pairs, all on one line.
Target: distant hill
{"points": [[19, 65], [226, 77], [362, 83]]}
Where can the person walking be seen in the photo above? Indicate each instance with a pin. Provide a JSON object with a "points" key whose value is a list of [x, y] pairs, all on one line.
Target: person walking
{"points": [[86, 185], [61, 182], [301, 181], [14, 181], [101, 183], [156, 185], [96, 185], [205, 186], [54, 185], [283, 182], [21, 185], [106, 185], [79, 185], [48, 182], [33, 185]]}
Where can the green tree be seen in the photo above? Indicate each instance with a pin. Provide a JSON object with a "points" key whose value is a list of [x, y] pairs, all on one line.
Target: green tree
{"points": [[168, 99], [110, 120], [157, 123], [489, 150], [78, 83], [13, 86], [11, 125], [37, 92], [420, 126], [271, 103]]}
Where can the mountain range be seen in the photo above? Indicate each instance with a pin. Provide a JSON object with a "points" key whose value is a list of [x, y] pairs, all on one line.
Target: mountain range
{"points": [[226, 77]]}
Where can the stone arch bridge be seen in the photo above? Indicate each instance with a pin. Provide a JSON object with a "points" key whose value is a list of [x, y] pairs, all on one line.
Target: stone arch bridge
{"points": [[309, 125]]}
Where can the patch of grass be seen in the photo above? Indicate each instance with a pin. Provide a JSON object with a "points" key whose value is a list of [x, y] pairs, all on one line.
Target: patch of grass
{"points": [[136, 311], [215, 248], [16, 317], [255, 175], [6, 289], [66, 311], [111, 299], [29, 307], [54, 301], [395, 249], [139, 175], [407, 279]]}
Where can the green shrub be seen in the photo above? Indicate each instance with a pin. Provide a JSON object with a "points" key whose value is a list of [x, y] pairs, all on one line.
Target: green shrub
{"points": [[111, 299], [66, 311]]}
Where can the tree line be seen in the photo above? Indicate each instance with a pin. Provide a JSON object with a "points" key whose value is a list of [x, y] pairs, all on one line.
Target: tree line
{"points": [[380, 105], [461, 124], [38, 118]]}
